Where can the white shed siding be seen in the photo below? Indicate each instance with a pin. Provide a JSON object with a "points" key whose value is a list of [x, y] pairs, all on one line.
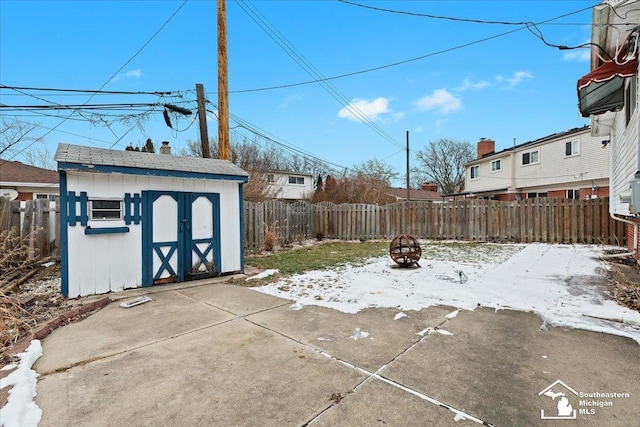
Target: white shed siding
{"points": [[111, 262]]}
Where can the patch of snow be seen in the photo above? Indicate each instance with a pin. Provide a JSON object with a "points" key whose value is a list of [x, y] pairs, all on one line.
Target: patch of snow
{"points": [[399, 316], [459, 417], [557, 282], [429, 331], [452, 314], [20, 409], [264, 274], [296, 306], [358, 334]]}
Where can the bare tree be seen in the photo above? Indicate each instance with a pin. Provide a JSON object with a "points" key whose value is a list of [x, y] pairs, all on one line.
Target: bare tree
{"points": [[40, 157], [16, 136], [443, 162], [367, 182]]}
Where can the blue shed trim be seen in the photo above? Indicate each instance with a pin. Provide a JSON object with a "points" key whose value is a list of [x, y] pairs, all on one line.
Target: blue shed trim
{"points": [[136, 208], [84, 202], [131, 215], [127, 208], [241, 197], [106, 230], [72, 217], [150, 172], [64, 235], [146, 256]]}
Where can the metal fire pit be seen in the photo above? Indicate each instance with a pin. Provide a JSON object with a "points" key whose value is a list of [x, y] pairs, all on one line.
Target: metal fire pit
{"points": [[405, 250]]}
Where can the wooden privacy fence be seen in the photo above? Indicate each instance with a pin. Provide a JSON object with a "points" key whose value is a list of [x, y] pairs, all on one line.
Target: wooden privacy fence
{"points": [[531, 220], [35, 221]]}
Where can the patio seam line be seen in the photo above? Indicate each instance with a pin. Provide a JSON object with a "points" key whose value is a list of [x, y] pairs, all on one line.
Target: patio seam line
{"points": [[376, 376], [241, 316], [107, 356]]}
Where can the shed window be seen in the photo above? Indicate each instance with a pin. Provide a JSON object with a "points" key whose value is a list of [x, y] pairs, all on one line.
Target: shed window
{"points": [[106, 209], [296, 180]]}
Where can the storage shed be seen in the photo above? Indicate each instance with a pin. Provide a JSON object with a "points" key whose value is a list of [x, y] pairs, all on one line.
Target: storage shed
{"points": [[131, 219]]}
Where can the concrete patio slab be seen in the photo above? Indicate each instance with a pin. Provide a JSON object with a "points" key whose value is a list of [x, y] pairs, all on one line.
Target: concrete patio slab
{"points": [[232, 374], [376, 403], [496, 364], [335, 332], [235, 299], [115, 329]]}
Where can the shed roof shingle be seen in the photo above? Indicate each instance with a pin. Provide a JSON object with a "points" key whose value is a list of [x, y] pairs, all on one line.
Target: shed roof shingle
{"points": [[68, 153]]}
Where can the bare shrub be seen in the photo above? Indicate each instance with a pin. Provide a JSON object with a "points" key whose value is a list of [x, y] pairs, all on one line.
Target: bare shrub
{"points": [[271, 237], [15, 321], [15, 253]]}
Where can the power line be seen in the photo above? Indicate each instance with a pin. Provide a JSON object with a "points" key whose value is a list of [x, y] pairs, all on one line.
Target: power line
{"points": [[105, 92], [110, 78], [405, 61], [292, 52]]}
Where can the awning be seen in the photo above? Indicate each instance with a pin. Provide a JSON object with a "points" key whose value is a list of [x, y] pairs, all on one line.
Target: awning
{"points": [[602, 89]]}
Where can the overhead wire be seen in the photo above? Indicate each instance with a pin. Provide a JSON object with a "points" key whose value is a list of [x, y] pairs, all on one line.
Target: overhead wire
{"points": [[293, 53], [166, 22], [405, 61]]}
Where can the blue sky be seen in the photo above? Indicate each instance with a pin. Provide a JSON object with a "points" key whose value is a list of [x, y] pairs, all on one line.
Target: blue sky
{"points": [[508, 87]]}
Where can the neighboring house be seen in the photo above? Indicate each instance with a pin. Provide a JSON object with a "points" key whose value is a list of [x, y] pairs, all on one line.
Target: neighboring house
{"points": [[608, 94], [29, 182], [571, 165], [289, 185], [131, 219], [426, 192]]}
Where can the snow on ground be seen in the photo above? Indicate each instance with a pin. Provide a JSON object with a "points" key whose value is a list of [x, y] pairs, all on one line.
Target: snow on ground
{"points": [[564, 284], [20, 409]]}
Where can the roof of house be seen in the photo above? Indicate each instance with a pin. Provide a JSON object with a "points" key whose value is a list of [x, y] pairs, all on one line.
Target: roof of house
{"points": [[13, 171], [547, 138], [77, 154], [414, 194]]}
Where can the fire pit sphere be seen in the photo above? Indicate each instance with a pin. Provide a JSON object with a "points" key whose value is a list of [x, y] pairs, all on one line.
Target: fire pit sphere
{"points": [[405, 250]]}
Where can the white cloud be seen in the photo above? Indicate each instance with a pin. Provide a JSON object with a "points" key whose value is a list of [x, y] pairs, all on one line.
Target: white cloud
{"points": [[581, 55], [441, 100], [518, 77], [134, 73], [363, 107], [468, 84], [286, 103]]}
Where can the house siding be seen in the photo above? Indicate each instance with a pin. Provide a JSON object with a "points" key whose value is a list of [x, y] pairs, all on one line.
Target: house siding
{"points": [[554, 173], [624, 161]]}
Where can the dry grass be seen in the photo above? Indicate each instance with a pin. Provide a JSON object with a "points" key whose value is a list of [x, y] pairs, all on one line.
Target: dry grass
{"points": [[15, 321], [271, 237]]}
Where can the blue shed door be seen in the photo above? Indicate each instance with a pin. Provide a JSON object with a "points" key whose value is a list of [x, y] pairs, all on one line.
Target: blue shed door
{"points": [[180, 236]]}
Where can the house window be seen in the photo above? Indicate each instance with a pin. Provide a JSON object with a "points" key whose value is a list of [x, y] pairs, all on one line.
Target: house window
{"points": [[496, 165], [573, 194], [531, 157], [296, 180], [533, 195], [572, 148], [270, 178], [475, 172], [108, 210]]}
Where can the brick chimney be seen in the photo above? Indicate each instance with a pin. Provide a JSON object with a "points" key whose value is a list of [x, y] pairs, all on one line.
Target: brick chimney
{"points": [[486, 146], [165, 149], [429, 186]]}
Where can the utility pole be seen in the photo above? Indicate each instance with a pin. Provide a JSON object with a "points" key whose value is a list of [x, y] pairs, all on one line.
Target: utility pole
{"points": [[202, 116], [223, 84], [408, 194]]}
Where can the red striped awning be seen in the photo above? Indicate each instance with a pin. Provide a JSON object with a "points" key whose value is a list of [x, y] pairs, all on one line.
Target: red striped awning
{"points": [[602, 89]]}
